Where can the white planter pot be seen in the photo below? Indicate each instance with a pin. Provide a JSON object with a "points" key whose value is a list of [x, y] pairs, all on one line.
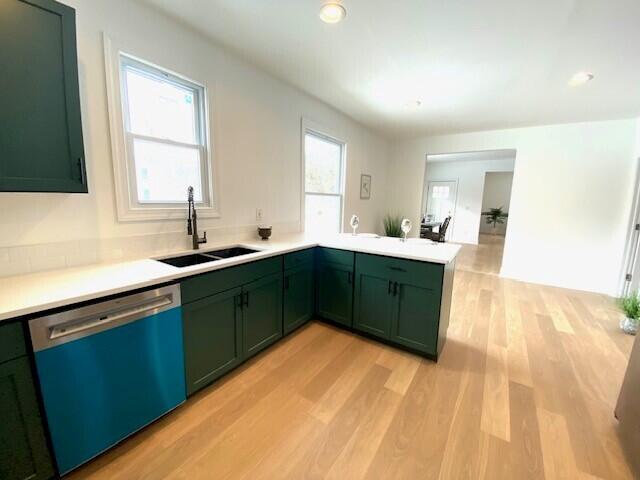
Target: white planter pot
{"points": [[629, 325]]}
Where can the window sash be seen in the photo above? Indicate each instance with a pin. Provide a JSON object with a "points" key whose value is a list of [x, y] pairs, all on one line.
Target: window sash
{"points": [[155, 73], [133, 180], [150, 71], [339, 144], [340, 195]]}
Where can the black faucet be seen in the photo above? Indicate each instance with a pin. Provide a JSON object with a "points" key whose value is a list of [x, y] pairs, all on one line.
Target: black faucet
{"points": [[192, 223]]}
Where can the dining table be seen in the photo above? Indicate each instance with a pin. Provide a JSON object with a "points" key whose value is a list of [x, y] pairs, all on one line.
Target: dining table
{"points": [[427, 227]]}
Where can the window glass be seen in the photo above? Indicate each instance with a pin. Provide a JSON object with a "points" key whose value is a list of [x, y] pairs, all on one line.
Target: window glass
{"points": [[160, 109], [323, 165], [165, 172], [322, 213], [323, 183]]}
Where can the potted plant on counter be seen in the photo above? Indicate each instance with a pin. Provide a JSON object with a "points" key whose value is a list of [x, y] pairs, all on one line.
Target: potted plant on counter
{"points": [[630, 306], [393, 225]]}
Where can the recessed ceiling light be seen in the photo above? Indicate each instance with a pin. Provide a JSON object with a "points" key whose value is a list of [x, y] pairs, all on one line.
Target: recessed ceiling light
{"points": [[332, 12], [580, 78]]}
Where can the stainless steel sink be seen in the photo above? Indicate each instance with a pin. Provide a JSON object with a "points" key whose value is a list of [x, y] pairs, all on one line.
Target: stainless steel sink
{"points": [[206, 257]]}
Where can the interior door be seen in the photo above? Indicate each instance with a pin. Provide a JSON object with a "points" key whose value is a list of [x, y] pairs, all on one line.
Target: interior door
{"points": [[441, 201], [628, 409]]}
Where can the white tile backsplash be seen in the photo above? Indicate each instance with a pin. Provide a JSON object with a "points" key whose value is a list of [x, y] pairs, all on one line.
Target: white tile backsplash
{"points": [[22, 259]]}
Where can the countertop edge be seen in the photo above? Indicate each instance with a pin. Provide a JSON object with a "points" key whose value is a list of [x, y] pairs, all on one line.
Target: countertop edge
{"points": [[179, 273]]}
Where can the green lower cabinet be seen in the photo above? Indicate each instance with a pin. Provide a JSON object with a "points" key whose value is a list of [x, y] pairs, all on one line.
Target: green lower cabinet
{"points": [[262, 313], [23, 447], [374, 305], [335, 293], [399, 301], [299, 295], [212, 337], [414, 322]]}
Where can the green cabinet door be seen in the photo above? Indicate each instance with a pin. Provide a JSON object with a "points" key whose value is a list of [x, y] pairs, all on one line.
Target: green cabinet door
{"points": [[415, 318], [41, 146], [262, 313], [23, 448], [212, 337], [298, 296], [374, 304], [399, 300], [335, 293]]}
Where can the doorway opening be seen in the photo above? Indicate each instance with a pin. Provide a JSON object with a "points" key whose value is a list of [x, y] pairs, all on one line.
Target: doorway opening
{"points": [[630, 281], [474, 190]]}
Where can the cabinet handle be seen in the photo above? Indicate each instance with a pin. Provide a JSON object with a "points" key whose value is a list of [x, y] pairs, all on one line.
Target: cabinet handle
{"points": [[246, 299], [395, 289], [397, 269], [389, 288], [239, 301], [81, 168], [349, 277]]}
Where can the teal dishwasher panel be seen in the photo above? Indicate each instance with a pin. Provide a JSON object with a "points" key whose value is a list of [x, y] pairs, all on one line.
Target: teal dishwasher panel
{"points": [[99, 389]]}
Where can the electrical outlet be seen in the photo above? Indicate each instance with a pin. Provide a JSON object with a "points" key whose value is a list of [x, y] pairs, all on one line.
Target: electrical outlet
{"points": [[258, 214]]}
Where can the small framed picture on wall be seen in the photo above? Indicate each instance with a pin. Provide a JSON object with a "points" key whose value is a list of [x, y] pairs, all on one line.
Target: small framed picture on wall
{"points": [[365, 187]]}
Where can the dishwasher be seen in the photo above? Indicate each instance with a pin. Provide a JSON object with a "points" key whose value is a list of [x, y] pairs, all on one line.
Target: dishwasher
{"points": [[108, 369]]}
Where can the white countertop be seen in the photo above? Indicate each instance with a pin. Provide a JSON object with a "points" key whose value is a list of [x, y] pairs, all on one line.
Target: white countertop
{"points": [[37, 292]]}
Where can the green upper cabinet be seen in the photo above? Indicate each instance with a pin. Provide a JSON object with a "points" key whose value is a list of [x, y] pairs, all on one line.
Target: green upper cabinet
{"points": [[23, 446], [334, 299], [299, 291], [262, 313], [212, 337], [41, 147]]}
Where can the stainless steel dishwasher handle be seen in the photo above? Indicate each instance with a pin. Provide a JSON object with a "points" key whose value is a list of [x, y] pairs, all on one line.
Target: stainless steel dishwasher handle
{"points": [[93, 322], [52, 330]]}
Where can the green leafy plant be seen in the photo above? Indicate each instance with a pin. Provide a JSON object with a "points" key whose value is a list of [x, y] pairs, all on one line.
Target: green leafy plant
{"points": [[392, 225], [495, 216], [630, 305]]}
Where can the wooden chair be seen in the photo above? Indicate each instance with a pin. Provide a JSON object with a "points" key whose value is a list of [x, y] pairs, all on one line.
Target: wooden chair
{"points": [[441, 233]]}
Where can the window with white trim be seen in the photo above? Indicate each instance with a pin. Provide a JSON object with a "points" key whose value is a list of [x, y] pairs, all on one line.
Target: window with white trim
{"points": [[164, 143], [324, 183]]}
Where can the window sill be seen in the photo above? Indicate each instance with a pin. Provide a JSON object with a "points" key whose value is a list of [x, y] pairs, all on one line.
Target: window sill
{"points": [[164, 214]]}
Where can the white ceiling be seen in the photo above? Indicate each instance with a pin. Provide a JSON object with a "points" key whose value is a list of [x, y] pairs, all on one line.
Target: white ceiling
{"points": [[474, 65], [506, 154]]}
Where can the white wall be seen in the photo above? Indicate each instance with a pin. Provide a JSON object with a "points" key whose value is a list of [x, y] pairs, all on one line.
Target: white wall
{"points": [[497, 193], [255, 122], [572, 190], [470, 175]]}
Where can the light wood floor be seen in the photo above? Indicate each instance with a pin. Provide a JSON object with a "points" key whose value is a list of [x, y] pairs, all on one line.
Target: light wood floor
{"points": [[486, 257], [525, 388]]}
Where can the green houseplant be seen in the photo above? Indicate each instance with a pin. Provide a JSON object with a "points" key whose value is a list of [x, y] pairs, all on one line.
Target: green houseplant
{"points": [[630, 306], [392, 225], [495, 216]]}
